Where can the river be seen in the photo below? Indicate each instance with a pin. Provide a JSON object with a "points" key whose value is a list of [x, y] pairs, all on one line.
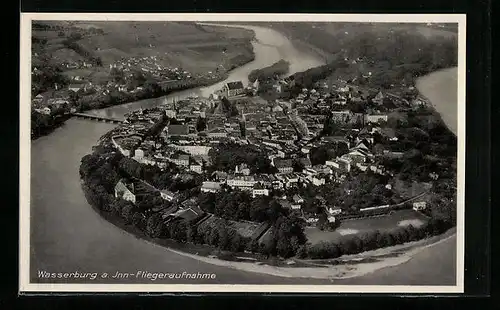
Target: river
{"points": [[269, 47], [440, 88], [67, 235]]}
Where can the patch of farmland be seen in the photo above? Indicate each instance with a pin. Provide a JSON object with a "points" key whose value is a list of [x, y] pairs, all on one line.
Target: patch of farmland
{"points": [[361, 226]]}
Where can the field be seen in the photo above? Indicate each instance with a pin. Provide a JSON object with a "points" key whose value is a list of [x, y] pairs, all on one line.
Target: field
{"points": [[315, 33], [183, 45], [197, 49], [360, 226], [244, 229]]}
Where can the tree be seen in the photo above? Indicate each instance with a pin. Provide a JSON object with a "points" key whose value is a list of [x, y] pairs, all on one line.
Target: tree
{"points": [[206, 201], [138, 79], [288, 235], [150, 201], [298, 166], [154, 226], [318, 155], [127, 213], [152, 87], [89, 164], [178, 230], [117, 75], [284, 248], [279, 68], [117, 205], [138, 220], [192, 234], [75, 36], [201, 124], [329, 127]]}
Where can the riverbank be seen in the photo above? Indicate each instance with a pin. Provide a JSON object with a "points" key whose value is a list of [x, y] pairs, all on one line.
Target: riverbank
{"points": [[350, 266], [342, 268], [42, 125], [440, 89]]}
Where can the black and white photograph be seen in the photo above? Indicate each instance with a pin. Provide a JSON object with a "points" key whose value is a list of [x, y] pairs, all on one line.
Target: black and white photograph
{"points": [[242, 152]]}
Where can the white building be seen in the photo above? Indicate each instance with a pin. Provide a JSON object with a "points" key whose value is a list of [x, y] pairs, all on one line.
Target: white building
{"points": [[419, 206], [260, 191], [375, 118], [121, 191], [167, 195], [196, 168], [194, 150], [138, 154], [210, 187], [241, 181], [334, 210], [317, 181]]}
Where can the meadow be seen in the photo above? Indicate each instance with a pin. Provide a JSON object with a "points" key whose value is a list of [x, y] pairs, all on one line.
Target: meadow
{"points": [[361, 226], [195, 48]]}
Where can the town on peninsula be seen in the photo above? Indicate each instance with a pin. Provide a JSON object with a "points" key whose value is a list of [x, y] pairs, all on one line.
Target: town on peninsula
{"points": [[293, 169]]}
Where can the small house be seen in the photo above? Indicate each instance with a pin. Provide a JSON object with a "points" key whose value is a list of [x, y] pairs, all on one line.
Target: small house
{"points": [[259, 190], [243, 169], [75, 87], [167, 195], [123, 192], [334, 210], [419, 206], [297, 199]]}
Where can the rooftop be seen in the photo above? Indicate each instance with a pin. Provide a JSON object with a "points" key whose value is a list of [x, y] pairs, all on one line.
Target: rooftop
{"points": [[235, 85]]}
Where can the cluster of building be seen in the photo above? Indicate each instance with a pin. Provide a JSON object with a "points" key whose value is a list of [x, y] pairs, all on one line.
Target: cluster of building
{"points": [[76, 64], [282, 129], [187, 210], [51, 101], [151, 65]]}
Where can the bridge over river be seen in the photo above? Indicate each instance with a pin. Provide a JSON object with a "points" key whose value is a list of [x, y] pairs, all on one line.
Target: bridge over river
{"points": [[98, 118]]}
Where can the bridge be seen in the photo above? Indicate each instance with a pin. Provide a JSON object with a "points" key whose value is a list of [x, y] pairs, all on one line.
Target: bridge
{"points": [[98, 118]]}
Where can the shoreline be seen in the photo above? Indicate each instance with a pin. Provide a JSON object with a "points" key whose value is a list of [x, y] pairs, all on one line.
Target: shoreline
{"points": [[350, 266], [439, 108], [336, 272]]}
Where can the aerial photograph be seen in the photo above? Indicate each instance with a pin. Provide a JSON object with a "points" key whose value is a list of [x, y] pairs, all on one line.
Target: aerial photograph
{"points": [[252, 153]]}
